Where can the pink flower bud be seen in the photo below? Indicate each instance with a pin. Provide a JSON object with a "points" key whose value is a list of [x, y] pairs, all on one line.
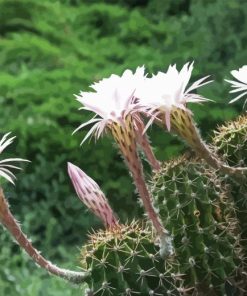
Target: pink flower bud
{"points": [[91, 195]]}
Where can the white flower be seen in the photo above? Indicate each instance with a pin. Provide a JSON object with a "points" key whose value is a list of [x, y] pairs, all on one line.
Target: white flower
{"points": [[241, 84], [6, 164], [112, 100], [164, 91]]}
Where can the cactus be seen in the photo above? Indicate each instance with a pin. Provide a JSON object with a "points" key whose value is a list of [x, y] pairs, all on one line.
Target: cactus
{"points": [[231, 142], [197, 210], [126, 261]]}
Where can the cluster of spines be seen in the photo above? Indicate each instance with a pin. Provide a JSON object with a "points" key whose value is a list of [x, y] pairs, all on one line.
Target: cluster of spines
{"points": [[231, 142], [126, 261], [197, 210]]}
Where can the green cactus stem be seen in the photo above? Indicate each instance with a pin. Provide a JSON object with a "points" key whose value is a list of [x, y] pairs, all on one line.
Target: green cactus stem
{"points": [[231, 141], [126, 261], [196, 209]]}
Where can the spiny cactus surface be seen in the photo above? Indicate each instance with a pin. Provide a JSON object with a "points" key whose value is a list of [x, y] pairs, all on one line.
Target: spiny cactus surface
{"points": [[199, 213], [126, 261], [231, 142]]}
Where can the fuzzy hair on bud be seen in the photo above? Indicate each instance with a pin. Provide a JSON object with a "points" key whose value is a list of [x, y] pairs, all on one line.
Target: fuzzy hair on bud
{"points": [[91, 195]]}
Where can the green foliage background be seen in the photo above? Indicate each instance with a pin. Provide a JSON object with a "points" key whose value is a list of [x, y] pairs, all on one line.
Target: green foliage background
{"points": [[50, 50]]}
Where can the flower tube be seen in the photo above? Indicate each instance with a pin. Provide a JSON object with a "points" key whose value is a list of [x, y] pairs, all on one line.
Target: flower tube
{"points": [[144, 143]]}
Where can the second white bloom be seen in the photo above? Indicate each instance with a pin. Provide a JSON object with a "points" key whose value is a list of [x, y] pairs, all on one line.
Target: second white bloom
{"points": [[167, 90]]}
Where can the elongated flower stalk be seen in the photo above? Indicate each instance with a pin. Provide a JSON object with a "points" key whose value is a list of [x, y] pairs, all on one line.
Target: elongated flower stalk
{"points": [[124, 135], [143, 141], [114, 103], [240, 85], [165, 95], [9, 222], [90, 194]]}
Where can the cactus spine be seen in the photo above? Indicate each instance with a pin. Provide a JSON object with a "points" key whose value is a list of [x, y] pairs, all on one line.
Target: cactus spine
{"points": [[126, 262], [231, 142], [196, 208]]}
